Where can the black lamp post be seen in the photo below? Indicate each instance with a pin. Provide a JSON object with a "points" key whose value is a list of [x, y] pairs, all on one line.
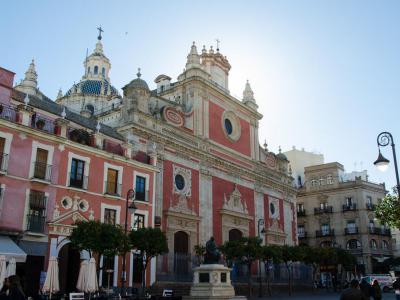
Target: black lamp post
{"points": [[262, 231], [384, 139], [129, 196]]}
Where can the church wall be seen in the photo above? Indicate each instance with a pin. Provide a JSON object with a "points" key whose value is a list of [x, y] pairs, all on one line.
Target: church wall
{"points": [[217, 131], [220, 189]]}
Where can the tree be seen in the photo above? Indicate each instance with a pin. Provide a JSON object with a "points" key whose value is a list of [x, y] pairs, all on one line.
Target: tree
{"points": [[246, 250], [269, 254], [288, 255], [387, 211], [98, 239], [150, 242], [199, 250]]}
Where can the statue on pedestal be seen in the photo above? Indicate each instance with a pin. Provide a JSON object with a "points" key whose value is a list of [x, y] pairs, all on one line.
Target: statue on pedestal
{"points": [[212, 255]]}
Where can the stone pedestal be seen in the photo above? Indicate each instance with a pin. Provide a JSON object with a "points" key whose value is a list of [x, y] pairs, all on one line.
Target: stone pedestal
{"points": [[212, 281]]}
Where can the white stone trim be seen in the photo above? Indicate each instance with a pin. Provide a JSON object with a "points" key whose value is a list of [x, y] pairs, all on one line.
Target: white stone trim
{"points": [[187, 176], [72, 155], [117, 208], [7, 146], [120, 170], [3, 187], [26, 210], [35, 146]]}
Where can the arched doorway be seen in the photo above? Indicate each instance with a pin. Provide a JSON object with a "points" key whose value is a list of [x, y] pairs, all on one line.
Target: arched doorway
{"points": [[235, 235], [69, 263], [181, 253]]}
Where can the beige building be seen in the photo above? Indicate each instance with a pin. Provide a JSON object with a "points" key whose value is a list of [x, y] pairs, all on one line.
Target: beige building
{"points": [[337, 210]]}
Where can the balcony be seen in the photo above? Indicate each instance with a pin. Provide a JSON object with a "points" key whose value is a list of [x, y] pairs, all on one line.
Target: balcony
{"points": [[79, 183], [301, 213], [7, 113], [386, 232], [349, 207], [41, 171], [324, 233], [351, 230], [42, 123], [370, 206], [3, 163], [302, 235], [356, 251], [142, 196], [379, 231], [36, 223], [112, 188], [323, 210]]}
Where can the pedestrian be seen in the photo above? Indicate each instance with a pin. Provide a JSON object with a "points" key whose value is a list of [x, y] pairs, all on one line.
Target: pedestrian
{"points": [[365, 288], [5, 290], [396, 287], [376, 290], [16, 292], [334, 283], [353, 292]]}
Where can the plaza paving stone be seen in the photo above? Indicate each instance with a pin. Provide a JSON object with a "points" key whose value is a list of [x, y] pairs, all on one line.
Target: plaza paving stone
{"points": [[320, 295]]}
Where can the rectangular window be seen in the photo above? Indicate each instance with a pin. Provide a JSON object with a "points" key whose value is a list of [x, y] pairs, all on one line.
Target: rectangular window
{"points": [[41, 169], [112, 182], [108, 271], [3, 156], [37, 211], [300, 229], [77, 177], [351, 226], [369, 200], [300, 207], [110, 216], [349, 201], [325, 229], [329, 179], [140, 188], [139, 221]]}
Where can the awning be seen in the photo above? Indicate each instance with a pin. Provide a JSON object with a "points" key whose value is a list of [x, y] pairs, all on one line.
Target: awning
{"points": [[11, 250]]}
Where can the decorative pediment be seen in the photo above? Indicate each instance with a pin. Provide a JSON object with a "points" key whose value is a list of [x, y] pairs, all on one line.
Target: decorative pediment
{"points": [[235, 203], [182, 206]]}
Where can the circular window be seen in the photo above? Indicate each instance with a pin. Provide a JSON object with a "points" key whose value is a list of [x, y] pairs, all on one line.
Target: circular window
{"points": [[272, 208], [228, 126], [83, 205], [66, 203], [179, 182]]}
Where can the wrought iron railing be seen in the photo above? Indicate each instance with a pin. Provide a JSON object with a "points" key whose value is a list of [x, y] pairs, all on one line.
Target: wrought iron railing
{"points": [[142, 196], [323, 210], [8, 113], [301, 213], [81, 182], [112, 188], [42, 123], [351, 230], [322, 233], [36, 223], [349, 207], [302, 235], [42, 171]]}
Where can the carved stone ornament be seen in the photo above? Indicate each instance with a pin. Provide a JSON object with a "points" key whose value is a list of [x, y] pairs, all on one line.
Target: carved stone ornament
{"points": [[234, 202], [182, 206], [273, 207], [187, 176]]}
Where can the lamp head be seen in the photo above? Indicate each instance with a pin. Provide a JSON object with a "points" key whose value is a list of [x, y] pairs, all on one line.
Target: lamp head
{"points": [[132, 208], [381, 163]]}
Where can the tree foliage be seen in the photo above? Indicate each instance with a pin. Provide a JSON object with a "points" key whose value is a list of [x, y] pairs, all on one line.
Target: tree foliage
{"points": [[387, 211], [98, 238]]}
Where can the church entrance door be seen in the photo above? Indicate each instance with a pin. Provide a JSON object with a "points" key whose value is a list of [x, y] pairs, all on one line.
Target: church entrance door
{"points": [[69, 264], [181, 254]]}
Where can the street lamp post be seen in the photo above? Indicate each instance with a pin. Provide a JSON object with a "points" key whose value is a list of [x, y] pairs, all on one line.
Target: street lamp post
{"points": [[262, 231], [384, 139], [129, 196]]}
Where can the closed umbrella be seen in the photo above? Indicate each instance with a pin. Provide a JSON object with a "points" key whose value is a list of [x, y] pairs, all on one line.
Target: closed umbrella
{"points": [[91, 284], [3, 270], [51, 284], [83, 275], [11, 268]]}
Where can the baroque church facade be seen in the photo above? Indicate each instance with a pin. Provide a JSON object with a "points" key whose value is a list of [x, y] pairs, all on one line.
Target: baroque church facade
{"points": [[188, 147]]}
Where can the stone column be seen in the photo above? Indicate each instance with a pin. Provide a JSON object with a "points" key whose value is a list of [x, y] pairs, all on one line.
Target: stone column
{"points": [[205, 205], [24, 114], [61, 127]]}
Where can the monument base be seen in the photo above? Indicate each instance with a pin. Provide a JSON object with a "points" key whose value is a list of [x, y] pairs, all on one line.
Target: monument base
{"points": [[212, 281]]}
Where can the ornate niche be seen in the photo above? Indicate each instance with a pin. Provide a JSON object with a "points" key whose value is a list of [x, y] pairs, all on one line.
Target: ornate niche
{"points": [[275, 231], [73, 209], [234, 214]]}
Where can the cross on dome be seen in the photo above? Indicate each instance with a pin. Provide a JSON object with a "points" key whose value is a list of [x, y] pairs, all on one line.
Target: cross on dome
{"points": [[138, 73], [100, 31]]}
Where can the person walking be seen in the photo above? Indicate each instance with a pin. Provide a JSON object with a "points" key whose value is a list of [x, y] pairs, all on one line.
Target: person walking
{"points": [[365, 288], [353, 292], [396, 287], [376, 290]]}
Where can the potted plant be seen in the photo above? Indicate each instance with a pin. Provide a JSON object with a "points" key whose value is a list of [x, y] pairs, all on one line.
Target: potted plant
{"points": [[40, 124]]}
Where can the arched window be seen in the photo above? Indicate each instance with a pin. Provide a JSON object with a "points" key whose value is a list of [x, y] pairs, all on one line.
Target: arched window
{"points": [[373, 244], [353, 244], [96, 70], [90, 108], [103, 72], [385, 244]]}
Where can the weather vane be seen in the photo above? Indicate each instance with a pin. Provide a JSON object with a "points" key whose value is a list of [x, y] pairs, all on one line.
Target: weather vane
{"points": [[100, 31]]}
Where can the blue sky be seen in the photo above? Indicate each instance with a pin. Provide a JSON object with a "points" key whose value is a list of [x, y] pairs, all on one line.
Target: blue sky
{"points": [[326, 74]]}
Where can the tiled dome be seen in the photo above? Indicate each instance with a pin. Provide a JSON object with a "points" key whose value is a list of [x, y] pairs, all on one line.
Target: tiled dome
{"points": [[93, 87]]}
